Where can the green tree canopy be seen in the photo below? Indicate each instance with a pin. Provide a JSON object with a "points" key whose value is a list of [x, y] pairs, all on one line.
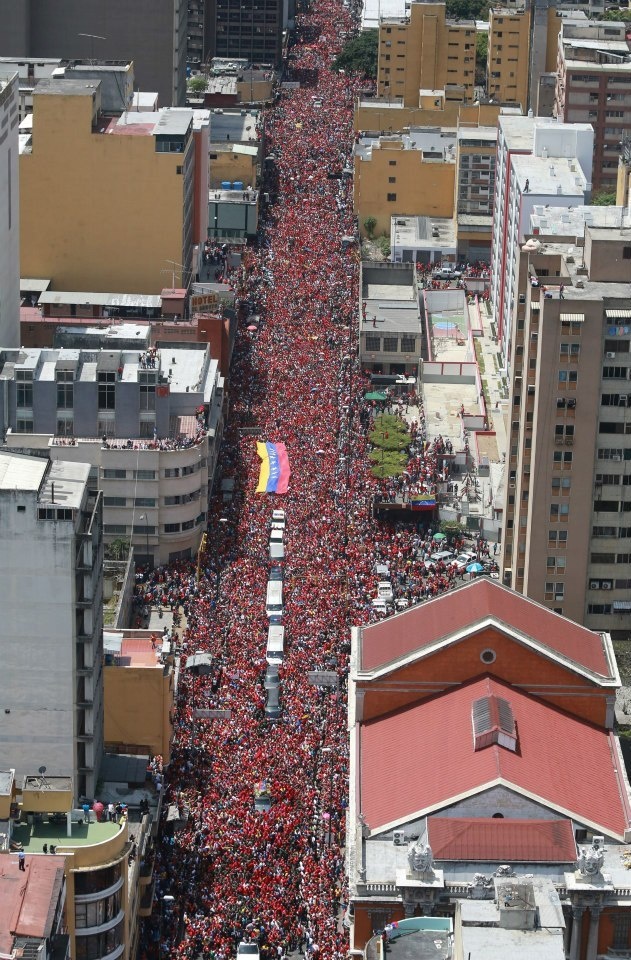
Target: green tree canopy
{"points": [[359, 55], [197, 84], [603, 198]]}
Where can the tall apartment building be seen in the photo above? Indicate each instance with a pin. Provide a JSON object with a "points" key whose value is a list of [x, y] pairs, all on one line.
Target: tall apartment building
{"points": [[151, 433], [127, 177], [195, 33], [539, 161], [594, 86], [508, 56], [566, 529], [9, 211], [245, 29], [476, 151], [427, 53], [51, 630], [152, 33]]}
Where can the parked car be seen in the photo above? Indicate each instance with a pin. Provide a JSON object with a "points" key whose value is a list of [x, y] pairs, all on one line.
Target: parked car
{"points": [[249, 950], [462, 561], [379, 606], [446, 273], [443, 556]]}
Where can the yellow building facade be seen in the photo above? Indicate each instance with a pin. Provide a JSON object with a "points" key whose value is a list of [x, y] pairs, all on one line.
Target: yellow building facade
{"points": [[392, 179], [508, 56], [426, 52], [138, 701], [103, 205]]}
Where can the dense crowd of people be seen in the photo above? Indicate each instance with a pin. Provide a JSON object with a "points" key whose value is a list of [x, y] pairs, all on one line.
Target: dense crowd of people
{"points": [[230, 871]]}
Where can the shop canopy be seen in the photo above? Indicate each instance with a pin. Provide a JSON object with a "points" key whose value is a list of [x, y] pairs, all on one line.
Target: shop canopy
{"points": [[375, 395]]}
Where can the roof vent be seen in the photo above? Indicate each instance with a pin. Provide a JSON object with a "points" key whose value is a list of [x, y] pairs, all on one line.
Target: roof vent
{"points": [[493, 722]]}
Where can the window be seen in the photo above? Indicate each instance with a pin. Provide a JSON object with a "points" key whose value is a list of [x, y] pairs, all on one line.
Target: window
{"points": [[24, 394], [109, 474], [563, 458], [24, 426], [621, 929], [373, 342], [556, 563], [392, 163], [603, 531], [391, 197], [606, 506], [145, 501], [557, 538], [615, 373], [561, 486], [107, 390], [554, 591], [610, 453], [408, 344], [171, 472], [147, 428], [604, 558], [390, 344], [147, 396], [626, 253], [172, 528], [559, 511], [106, 426], [599, 608], [65, 389], [144, 474], [114, 501], [65, 427], [568, 376], [144, 528], [188, 525], [392, 179]]}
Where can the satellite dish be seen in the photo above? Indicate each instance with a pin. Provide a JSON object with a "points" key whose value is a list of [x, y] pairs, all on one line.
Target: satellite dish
{"points": [[42, 770]]}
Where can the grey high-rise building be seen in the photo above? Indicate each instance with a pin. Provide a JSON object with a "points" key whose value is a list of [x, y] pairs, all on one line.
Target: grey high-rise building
{"points": [[152, 33]]}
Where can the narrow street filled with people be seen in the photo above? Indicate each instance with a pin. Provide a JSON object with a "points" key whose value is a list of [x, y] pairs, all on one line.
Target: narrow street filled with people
{"points": [[234, 872]]}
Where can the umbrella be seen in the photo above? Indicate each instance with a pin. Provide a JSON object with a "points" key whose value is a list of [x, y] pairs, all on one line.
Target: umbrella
{"points": [[253, 328], [475, 567], [439, 537]]}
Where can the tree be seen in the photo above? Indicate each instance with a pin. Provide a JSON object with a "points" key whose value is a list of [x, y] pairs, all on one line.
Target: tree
{"points": [[481, 56], [369, 226], [603, 198], [197, 84], [117, 550], [359, 55]]}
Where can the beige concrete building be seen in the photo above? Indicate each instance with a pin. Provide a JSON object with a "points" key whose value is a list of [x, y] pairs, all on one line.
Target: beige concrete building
{"points": [[566, 530], [426, 53], [411, 174], [594, 86], [106, 200], [387, 115], [508, 55]]}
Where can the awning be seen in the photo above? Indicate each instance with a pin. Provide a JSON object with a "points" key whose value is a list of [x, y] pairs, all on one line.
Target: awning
{"points": [[375, 395], [572, 317], [535, 306], [622, 606], [618, 314], [201, 662]]}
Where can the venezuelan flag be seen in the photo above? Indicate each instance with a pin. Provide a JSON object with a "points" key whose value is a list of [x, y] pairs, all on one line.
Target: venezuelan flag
{"points": [[275, 472]]}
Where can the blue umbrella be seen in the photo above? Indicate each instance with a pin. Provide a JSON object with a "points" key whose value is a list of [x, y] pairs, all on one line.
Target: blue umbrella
{"points": [[475, 567]]}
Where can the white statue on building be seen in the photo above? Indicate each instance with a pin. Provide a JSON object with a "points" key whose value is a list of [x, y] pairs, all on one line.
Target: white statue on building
{"points": [[591, 859]]}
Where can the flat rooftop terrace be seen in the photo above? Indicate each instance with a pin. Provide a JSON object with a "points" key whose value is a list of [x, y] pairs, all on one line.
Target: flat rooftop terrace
{"points": [[34, 836]]}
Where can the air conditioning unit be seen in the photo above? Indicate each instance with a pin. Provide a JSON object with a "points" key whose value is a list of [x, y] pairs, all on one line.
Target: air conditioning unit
{"points": [[594, 585], [398, 837], [610, 356], [606, 585]]}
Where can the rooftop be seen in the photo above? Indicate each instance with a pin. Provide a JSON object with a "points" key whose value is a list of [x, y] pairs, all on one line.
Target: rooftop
{"points": [[21, 473], [570, 221], [236, 125], [63, 298], [66, 87], [65, 484], [27, 900], [374, 10], [427, 626], [480, 839], [543, 768], [433, 142], [423, 233], [551, 176], [42, 831], [47, 784], [7, 778]]}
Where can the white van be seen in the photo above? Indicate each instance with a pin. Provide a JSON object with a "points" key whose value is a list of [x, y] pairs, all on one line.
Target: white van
{"points": [[276, 536], [384, 591], [278, 519], [276, 551], [274, 601], [275, 644]]}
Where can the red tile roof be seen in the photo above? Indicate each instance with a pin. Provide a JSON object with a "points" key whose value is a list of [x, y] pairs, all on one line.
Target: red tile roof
{"points": [[25, 898], [455, 611], [566, 763], [502, 841]]}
